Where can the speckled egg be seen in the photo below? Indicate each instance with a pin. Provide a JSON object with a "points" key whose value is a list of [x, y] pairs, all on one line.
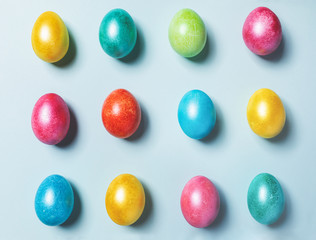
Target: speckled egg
{"points": [[54, 200], [50, 38], [117, 33], [125, 199], [266, 113], [262, 32], [200, 202], [187, 33], [265, 199], [50, 119]]}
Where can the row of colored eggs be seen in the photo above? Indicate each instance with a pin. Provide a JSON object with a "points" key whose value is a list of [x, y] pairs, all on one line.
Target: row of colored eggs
{"points": [[121, 115], [125, 200], [262, 34]]}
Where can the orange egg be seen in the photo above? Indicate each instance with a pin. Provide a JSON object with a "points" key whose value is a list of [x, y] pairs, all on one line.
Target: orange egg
{"points": [[50, 39], [125, 199], [266, 113]]}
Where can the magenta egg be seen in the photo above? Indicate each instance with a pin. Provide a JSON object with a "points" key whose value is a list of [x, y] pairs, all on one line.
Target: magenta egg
{"points": [[200, 202], [262, 32], [50, 119]]}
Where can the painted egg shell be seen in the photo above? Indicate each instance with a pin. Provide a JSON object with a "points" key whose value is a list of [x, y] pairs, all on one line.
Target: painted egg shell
{"points": [[262, 32], [265, 113], [117, 33], [125, 199], [200, 202], [265, 199], [196, 114], [187, 33], [121, 113], [50, 119], [50, 39], [54, 200]]}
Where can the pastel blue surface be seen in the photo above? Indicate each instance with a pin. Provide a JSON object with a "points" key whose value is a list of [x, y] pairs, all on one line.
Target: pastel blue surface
{"points": [[54, 200], [265, 199], [160, 155], [196, 114], [117, 33]]}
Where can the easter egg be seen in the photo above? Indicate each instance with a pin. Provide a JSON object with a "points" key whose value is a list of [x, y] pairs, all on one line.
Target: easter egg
{"points": [[200, 202], [196, 114], [262, 32], [265, 199], [187, 33], [121, 113], [54, 200], [265, 113], [125, 199], [50, 119], [50, 39], [117, 33]]}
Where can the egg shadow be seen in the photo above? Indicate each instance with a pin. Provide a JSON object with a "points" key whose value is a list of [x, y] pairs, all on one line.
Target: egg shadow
{"points": [[72, 132], [286, 212], [70, 56], [284, 134], [138, 50], [143, 126], [278, 54], [217, 128], [147, 212], [222, 214], [76, 212]]}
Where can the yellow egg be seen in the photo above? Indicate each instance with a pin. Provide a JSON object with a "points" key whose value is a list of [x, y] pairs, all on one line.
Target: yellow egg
{"points": [[50, 39], [125, 199], [265, 113]]}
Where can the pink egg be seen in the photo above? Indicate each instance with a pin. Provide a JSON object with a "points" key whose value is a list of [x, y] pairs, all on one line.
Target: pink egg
{"points": [[50, 119], [262, 31], [200, 202]]}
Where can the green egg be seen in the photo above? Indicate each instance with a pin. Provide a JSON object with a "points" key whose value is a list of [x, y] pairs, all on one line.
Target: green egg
{"points": [[187, 33]]}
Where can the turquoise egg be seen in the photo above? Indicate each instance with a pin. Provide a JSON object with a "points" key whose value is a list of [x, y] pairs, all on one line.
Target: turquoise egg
{"points": [[54, 200], [265, 199], [196, 114], [117, 33]]}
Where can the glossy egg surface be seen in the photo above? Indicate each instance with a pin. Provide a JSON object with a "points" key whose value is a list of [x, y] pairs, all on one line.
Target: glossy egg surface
{"points": [[200, 202], [50, 38], [265, 199], [196, 114], [50, 119], [54, 200], [265, 113], [262, 32], [121, 113], [117, 33], [125, 199], [187, 33]]}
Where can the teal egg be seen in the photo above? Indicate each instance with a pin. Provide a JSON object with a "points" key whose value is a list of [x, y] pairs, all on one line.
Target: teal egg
{"points": [[265, 199], [117, 33]]}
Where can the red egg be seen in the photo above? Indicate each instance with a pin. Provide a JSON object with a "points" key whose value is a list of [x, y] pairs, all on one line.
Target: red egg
{"points": [[200, 202], [121, 113], [50, 119], [262, 31]]}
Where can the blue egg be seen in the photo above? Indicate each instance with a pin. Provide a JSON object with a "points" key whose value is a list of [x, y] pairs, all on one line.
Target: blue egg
{"points": [[117, 33], [54, 200], [265, 199], [196, 114]]}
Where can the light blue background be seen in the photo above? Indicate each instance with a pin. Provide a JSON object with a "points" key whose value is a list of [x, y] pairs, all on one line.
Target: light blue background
{"points": [[161, 156]]}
